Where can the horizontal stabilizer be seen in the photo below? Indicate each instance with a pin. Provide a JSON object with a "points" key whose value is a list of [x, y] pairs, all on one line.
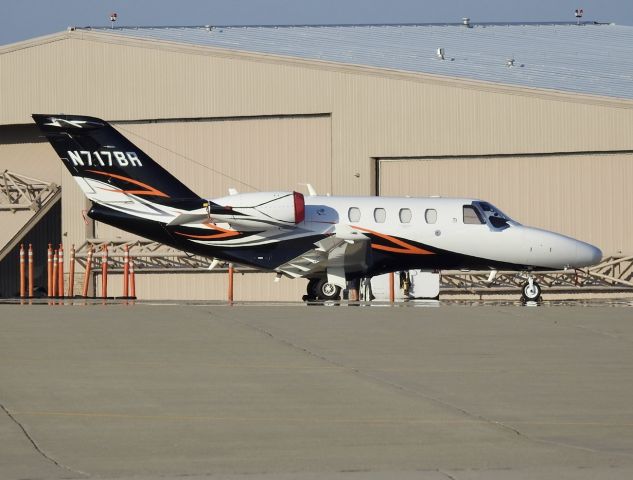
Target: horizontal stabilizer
{"points": [[186, 218]]}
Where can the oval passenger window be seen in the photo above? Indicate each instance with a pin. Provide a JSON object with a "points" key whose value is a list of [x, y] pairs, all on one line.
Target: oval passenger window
{"points": [[405, 215], [354, 214], [380, 215], [430, 215]]}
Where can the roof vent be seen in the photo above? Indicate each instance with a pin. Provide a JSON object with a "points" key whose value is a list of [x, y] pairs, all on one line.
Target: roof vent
{"points": [[510, 62], [71, 29], [440, 53], [208, 28], [466, 22]]}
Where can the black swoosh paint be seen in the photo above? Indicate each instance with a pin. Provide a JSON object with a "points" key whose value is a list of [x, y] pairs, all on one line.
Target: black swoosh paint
{"points": [[267, 257]]}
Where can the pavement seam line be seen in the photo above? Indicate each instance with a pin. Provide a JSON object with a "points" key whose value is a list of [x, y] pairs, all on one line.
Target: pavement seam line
{"points": [[500, 425], [446, 474], [36, 446], [381, 381]]}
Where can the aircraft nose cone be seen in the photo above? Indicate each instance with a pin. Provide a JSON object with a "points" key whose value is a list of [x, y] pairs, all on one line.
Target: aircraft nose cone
{"points": [[587, 255]]}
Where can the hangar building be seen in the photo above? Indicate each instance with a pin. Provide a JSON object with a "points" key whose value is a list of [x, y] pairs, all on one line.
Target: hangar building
{"points": [[535, 118]]}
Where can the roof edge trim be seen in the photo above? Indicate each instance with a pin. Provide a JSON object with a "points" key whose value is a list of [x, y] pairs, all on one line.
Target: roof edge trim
{"points": [[35, 42]]}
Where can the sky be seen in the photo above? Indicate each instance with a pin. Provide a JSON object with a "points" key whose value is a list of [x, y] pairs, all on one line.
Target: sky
{"points": [[24, 19]]}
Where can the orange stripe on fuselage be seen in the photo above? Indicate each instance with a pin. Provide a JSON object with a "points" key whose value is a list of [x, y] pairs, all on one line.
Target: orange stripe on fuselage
{"points": [[405, 247], [149, 190]]}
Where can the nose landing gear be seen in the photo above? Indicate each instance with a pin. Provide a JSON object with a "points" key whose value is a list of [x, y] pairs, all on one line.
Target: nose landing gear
{"points": [[531, 291]]}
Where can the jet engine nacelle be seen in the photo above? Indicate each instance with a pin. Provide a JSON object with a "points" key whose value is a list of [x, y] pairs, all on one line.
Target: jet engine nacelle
{"points": [[261, 210]]}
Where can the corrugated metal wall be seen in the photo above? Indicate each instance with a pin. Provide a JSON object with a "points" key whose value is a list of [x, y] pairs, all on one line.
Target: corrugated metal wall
{"points": [[209, 286], [362, 114], [23, 150], [584, 196], [375, 113]]}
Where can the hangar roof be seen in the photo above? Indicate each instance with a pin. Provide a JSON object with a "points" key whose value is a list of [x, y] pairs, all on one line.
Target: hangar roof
{"points": [[588, 58]]}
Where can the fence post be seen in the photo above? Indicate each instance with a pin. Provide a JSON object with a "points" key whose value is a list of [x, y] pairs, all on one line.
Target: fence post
{"points": [[71, 273], [84, 292], [60, 272], [31, 280], [55, 274], [231, 282], [49, 271], [22, 273], [104, 272], [132, 279], [126, 272]]}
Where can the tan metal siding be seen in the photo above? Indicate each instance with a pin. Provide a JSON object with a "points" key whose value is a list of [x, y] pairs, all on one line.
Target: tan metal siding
{"points": [[115, 81], [23, 151], [74, 212], [210, 286], [374, 113], [249, 154], [584, 196]]}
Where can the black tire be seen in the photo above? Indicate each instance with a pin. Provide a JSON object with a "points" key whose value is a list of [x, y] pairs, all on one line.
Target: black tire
{"points": [[327, 291], [531, 294], [311, 289]]}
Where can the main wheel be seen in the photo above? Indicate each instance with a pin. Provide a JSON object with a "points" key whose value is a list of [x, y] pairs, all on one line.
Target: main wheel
{"points": [[311, 290], [531, 291], [327, 291], [312, 287]]}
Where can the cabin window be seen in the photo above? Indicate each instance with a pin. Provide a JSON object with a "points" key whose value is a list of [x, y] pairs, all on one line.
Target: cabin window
{"points": [[405, 215], [472, 215], [380, 215], [430, 215], [354, 214]]}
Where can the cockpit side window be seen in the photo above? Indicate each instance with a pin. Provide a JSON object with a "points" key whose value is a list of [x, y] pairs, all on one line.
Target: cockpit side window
{"points": [[495, 217], [472, 216], [498, 222]]}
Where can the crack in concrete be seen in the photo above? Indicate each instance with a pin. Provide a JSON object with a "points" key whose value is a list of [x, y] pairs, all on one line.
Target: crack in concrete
{"points": [[416, 393], [446, 474], [37, 447]]}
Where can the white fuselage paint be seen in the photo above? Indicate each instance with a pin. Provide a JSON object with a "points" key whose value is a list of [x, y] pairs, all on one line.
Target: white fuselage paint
{"points": [[516, 244], [328, 215]]}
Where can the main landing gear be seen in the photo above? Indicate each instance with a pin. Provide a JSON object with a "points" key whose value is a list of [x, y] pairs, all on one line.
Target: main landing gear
{"points": [[321, 289], [530, 291]]}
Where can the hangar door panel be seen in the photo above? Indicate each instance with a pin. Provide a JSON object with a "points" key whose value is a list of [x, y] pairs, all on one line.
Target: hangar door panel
{"points": [[248, 154], [585, 196]]}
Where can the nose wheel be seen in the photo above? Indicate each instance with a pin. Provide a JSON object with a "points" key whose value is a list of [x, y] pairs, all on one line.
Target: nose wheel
{"points": [[531, 291]]}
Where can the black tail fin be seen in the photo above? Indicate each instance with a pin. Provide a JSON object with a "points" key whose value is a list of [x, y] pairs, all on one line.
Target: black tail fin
{"points": [[105, 163]]}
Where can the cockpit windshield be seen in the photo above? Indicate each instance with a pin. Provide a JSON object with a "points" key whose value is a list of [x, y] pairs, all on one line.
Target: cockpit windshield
{"points": [[493, 215]]}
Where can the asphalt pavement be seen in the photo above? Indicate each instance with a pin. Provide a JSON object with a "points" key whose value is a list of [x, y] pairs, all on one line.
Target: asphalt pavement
{"points": [[309, 392]]}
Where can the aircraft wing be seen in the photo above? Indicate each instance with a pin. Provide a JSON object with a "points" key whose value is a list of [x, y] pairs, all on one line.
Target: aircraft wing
{"points": [[343, 250]]}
